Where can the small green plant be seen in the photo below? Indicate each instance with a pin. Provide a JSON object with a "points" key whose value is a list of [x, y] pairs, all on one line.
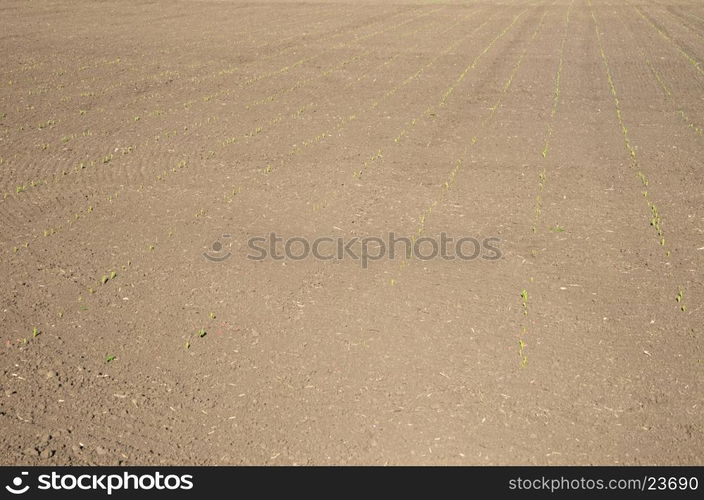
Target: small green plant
{"points": [[679, 298], [202, 333], [36, 332], [104, 279], [109, 358], [521, 352], [113, 275], [524, 297], [542, 177], [557, 229], [212, 315]]}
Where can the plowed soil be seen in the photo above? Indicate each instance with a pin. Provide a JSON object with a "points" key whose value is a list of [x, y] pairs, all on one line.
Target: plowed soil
{"points": [[143, 142]]}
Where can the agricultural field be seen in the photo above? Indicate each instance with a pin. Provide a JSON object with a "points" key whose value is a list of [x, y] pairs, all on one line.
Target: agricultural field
{"points": [[145, 145]]}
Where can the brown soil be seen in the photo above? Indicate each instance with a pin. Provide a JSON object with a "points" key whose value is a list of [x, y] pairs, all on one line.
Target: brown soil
{"points": [[134, 135]]}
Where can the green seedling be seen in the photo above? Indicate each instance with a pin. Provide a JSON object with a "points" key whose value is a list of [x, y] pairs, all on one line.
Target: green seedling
{"points": [[521, 352], [113, 275], [212, 315], [151, 247], [110, 358], [35, 332], [524, 297], [202, 333], [557, 229], [104, 279], [679, 298], [542, 176]]}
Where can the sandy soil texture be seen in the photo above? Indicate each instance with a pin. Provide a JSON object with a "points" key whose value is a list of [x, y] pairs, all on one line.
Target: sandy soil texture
{"points": [[143, 144]]}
